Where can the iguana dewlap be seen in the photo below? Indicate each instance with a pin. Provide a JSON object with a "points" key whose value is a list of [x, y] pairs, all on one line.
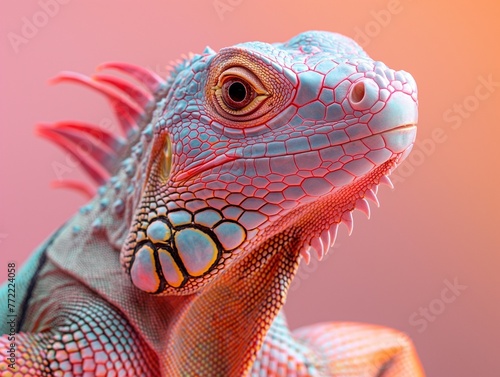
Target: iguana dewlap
{"points": [[230, 170]]}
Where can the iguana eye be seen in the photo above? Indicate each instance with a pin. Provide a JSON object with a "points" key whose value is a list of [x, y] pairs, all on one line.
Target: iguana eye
{"points": [[236, 93], [239, 92], [244, 91]]}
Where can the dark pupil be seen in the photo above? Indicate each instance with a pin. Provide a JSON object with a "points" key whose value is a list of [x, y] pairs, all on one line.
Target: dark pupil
{"points": [[237, 91]]}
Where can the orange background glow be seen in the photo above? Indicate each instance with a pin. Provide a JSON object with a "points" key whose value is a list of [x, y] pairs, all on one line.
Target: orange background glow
{"points": [[439, 227]]}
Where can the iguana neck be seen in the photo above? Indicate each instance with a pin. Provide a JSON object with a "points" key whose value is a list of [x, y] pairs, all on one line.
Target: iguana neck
{"points": [[240, 305], [183, 330]]}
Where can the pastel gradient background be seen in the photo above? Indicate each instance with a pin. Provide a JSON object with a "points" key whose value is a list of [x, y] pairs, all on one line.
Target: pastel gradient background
{"points": [[439, 224]]}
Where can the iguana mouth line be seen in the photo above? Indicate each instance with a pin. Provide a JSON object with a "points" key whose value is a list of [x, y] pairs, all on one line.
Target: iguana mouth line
{"points": [[222, 159], [408, 126], [190, 172]]}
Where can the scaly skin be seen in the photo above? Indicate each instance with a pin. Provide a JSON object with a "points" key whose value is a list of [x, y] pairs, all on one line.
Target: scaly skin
{"points": [[235, 167]]}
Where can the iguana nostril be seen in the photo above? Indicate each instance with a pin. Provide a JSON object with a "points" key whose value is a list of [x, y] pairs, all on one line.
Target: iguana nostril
{"points": [[363, 94], [358, 92]]}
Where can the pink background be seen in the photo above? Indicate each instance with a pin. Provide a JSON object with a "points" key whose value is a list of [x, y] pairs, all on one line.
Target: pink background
{"points": [[441, 222]]}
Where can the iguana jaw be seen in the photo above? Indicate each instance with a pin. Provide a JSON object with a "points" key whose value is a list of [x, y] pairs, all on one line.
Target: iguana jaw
{"points": [[322, 231], [316, 217], [336, 207]]}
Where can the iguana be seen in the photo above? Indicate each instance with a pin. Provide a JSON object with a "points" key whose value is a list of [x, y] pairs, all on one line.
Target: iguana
{"points": [[231, 169]]}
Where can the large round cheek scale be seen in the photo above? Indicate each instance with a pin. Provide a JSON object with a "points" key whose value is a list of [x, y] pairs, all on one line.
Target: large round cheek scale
{"points": [[158, 231], [230, 235], [197, 250], [171, 271], [143, 271]]}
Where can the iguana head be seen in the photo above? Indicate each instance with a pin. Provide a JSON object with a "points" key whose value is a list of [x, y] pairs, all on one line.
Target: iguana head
{"points": [[258, 139]]}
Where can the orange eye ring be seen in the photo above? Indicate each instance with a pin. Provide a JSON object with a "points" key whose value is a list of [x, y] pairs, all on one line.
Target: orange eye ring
{"points": [[243, 91], [239, 92]]}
